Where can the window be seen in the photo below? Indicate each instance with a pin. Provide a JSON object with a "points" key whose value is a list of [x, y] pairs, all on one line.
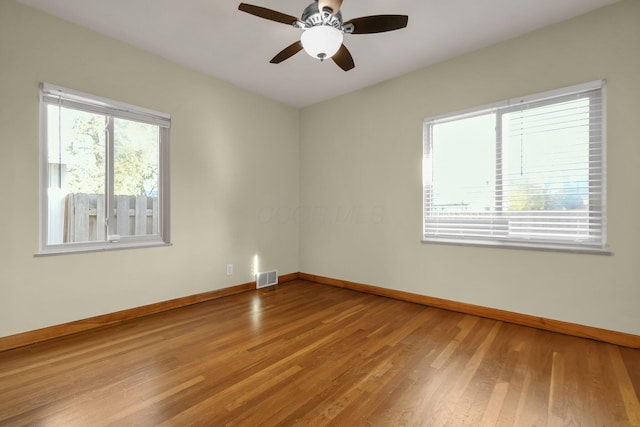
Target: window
{"points": [[104, 173], [527, 172]]}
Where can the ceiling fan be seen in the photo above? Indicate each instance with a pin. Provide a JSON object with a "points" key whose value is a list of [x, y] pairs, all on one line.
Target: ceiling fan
{"points": [[323, 30]]}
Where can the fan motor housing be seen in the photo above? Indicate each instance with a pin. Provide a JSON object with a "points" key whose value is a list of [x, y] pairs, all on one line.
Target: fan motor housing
{"points": [[312, 17]]}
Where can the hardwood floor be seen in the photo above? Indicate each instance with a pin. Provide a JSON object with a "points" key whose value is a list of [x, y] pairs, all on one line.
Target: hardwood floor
{"points": [[302, 354]]}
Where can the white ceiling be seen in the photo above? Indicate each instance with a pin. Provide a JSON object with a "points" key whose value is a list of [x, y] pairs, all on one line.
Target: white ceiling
{"points": [[213, 37]]}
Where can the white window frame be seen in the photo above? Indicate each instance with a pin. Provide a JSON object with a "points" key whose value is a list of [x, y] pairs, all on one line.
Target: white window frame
{"points": [[56, 95], [501, 239]]}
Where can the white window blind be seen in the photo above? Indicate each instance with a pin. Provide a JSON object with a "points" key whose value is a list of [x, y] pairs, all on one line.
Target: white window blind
{"points": [[77, 100], [526, 172]]}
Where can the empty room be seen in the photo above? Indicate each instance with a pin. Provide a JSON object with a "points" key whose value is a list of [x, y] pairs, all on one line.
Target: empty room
{"points": [[346, 213]]}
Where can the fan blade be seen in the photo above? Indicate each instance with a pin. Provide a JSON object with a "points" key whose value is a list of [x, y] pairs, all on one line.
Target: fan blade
{"points": [[334, 5], [269, 14], [343, 58], [287, 52], [377, 23]]}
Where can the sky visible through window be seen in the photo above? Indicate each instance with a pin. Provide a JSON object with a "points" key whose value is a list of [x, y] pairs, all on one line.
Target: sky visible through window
{"points": [[464, 164]]}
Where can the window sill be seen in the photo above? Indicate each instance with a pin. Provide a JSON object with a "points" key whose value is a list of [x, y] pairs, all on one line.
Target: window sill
{"points": [[521, 246], [79, 249]]}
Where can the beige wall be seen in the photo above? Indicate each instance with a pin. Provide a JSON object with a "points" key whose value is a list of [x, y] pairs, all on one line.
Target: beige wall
{"points": [[363, 181], [232, 153], [251, 176]]}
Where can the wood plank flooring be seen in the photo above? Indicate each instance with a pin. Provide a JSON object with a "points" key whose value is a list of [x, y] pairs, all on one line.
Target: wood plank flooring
{"points": [[305, 354]]}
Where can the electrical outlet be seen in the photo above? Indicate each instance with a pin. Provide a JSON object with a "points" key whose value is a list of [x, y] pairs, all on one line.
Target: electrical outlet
{"points": [[229, 269]]}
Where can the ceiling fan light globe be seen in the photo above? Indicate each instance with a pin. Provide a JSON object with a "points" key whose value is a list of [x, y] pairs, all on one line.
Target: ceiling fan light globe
{"points": [[322, 41]]}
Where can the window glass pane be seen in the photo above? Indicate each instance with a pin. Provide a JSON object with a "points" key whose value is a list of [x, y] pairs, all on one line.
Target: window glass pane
{"points": [[464, 164], [546, 157], [100, 173], [136, 178], [76, 175]]}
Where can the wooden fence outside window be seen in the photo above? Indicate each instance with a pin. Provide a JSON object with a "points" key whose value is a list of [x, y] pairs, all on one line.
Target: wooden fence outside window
{"points": [[85, 213]]}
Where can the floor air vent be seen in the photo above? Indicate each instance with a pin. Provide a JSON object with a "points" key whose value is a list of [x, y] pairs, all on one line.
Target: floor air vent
{"points": [[267, 278]]}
